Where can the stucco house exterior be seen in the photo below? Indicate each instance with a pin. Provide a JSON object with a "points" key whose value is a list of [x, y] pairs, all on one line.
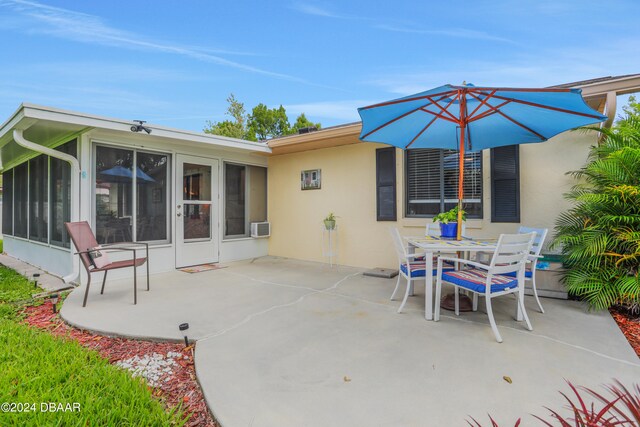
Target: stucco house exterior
{"points": [[193, 197], [505, 187]]}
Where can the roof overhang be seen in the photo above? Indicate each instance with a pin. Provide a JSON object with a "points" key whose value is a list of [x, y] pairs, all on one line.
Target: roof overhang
{"points": [[324, 138], [597, 93], [51, 126]]}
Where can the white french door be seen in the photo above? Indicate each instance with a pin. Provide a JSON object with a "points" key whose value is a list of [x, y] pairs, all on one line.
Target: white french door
{"points": [[196, 210]]}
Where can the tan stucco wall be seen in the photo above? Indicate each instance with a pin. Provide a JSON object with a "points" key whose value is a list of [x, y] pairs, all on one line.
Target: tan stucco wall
{"points": [[348, 190]]}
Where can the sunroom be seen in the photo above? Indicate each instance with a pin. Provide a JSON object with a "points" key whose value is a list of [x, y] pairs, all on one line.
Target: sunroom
{"points": [[191, 196]]}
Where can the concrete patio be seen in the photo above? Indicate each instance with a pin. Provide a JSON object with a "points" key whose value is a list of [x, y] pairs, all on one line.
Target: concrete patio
{"points": [[283, 343]]}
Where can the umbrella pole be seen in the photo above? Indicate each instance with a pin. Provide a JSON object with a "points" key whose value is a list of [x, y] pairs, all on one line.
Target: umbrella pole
{"points": [[461, 173], [448, 301]]}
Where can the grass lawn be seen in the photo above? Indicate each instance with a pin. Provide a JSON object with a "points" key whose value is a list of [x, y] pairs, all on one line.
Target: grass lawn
{"points": [[39, 369]]}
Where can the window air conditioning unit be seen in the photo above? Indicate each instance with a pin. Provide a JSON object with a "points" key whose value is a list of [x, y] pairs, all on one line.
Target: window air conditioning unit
{"points": [[260, 229]]}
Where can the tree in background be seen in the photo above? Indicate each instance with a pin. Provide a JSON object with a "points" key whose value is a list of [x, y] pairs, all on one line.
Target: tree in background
{"points": [[266, 123], [302, 122], [631, 112], [236, 128], [600, 234], [263, 123]]}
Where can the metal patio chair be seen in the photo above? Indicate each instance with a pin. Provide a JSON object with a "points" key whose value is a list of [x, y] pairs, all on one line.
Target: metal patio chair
{"points": [[491, 280], [88, 249], [534, 256], [410, 266]]}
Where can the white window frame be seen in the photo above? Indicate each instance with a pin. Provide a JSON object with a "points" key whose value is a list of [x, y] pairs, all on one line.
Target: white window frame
{"points": [[134, 202], [247, 204], [442, 200]]}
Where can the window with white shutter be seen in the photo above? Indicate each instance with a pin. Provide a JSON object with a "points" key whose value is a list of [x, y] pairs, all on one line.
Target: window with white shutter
{"points": [[432, 182]]}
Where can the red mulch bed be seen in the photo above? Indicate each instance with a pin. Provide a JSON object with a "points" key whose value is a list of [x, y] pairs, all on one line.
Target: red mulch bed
{"points": [[629, 326], [181, 387]]}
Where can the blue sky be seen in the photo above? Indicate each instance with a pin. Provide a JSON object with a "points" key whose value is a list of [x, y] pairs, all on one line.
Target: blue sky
{"points": [[175, 62]]}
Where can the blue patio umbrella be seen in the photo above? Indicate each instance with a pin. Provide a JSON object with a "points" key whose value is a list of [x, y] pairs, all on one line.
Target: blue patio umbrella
{"points": [[474, 118], [126, 173]]}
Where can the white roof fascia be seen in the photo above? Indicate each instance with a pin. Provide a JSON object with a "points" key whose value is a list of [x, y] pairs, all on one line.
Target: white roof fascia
{"points": [[620, 86], [38, 112]]}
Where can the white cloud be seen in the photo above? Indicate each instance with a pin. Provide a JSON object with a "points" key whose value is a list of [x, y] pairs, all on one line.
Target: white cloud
{"points": [[85, 28], [75, 96], [309, 9], [96, 72], [449, 32], [313, 10], [543, 67]]}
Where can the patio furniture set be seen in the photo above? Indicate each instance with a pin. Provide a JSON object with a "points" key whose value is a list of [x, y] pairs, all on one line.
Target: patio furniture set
{"points": [[502, 266], [513, 261]]}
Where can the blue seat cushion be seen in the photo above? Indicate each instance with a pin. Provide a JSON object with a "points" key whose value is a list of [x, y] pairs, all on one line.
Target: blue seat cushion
{"points": [[475, 279], [418, 268], [527, 274]]}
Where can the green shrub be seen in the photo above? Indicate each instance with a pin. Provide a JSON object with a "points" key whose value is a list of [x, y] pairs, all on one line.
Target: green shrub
{"points": [[600, 234]]}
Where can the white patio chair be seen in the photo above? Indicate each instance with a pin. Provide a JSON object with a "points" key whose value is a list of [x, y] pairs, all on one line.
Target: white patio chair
{"points": [[491, 280], [534, 256], [410, 266]]}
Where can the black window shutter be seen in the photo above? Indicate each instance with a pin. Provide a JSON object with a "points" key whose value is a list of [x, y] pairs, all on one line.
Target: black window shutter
{"points": [[386, 184], [505, 184]]}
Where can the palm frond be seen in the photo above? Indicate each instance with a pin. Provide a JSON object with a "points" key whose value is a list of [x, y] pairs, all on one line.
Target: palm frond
{"points": [[600, 234]]}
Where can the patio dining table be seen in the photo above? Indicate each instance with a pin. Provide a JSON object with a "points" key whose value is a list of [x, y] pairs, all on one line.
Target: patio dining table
{"points": [[434, 244]]}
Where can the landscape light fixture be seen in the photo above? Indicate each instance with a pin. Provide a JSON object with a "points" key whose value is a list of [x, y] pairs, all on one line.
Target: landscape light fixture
{"points": [[183, 328], [54, 302], [35, 279], [139, 127]]}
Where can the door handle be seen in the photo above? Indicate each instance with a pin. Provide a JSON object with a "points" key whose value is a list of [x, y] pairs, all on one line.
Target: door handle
{"points": [[179, 214]]}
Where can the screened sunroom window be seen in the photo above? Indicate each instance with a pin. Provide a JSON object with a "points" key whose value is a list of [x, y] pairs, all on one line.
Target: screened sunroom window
{"points": [[7, 203], [60, 195], [245, 198], [152, 197], [20, 199], [432, 182], [117, 220], [38, 199]]}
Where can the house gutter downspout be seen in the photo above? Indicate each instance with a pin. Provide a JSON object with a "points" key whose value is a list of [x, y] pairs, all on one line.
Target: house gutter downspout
{"points": [[75, 186]]}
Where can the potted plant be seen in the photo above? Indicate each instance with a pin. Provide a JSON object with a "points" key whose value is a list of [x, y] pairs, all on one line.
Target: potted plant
{"points": [[449, 222], [330, 221]]}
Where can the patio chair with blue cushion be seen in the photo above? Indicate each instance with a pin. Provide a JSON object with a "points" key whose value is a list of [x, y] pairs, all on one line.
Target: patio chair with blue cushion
{"points": [[534, 256], [491, 280], [410, 266]]}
